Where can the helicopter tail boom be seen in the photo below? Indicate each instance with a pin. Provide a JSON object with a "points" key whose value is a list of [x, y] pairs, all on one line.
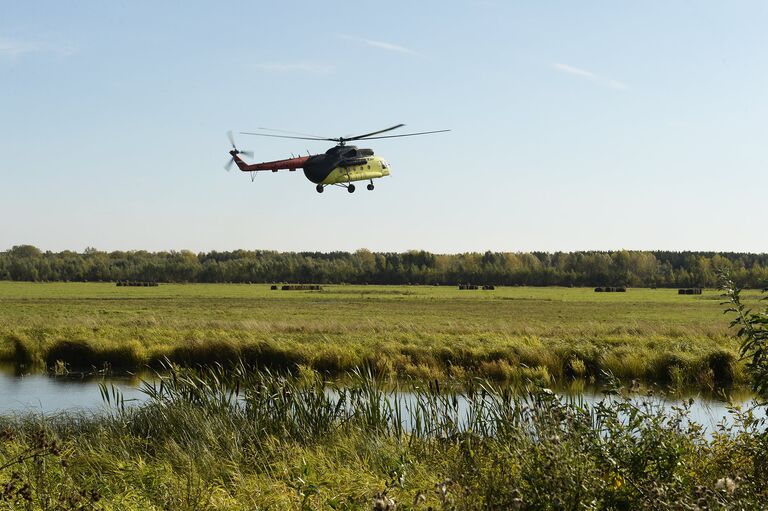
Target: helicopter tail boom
{"points": [[274, 166]]}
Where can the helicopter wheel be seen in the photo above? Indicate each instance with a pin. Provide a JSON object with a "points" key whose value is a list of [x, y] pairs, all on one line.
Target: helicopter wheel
{"points": [[370, 186], [351, 188], [319, 188]]}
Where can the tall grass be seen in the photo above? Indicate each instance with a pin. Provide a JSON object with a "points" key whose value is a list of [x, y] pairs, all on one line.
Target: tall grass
{"points": [[703, 366], [232, 438], [509, 335]]}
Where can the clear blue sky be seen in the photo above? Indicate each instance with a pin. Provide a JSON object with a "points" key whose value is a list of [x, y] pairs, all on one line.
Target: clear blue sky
{"points": [[576, 125]]}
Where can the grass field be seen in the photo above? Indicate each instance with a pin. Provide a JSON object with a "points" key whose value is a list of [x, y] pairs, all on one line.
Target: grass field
{"points": [[419, 331]]}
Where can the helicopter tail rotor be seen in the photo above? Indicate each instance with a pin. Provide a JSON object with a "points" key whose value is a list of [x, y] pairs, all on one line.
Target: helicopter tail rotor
{"points": [[235, 152]]}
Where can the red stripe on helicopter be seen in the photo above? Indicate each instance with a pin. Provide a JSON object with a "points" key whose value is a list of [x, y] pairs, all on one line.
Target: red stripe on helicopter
{"points": [[289, 164]]}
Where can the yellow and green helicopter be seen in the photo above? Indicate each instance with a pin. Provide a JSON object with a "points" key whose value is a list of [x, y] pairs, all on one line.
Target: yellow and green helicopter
{"points": [[340, 165]]}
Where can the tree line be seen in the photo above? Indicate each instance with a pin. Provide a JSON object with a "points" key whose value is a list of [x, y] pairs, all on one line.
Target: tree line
{"points": [[586, 268]]}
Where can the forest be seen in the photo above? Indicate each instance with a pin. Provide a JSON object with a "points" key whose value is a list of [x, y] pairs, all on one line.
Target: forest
{"points": [[417, 267]]}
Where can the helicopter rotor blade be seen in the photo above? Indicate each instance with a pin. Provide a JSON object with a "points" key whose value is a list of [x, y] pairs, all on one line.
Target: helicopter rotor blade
{"points": [[286, 136], [249, 154], [403, 135], [358, 137], [228, 165], [341, 140], [231, 139], [290, 132]]}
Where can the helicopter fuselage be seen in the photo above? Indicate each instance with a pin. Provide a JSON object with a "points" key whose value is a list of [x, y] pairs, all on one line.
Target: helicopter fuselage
{"points": [[320, 170], [339, 165]]}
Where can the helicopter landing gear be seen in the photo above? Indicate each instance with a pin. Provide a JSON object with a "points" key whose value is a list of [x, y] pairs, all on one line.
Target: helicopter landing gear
{"points": [[351, 188], [319, 188], [370, 185]]}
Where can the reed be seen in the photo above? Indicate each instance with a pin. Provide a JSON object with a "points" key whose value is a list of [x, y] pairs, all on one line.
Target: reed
{"points": [[232, 438]]}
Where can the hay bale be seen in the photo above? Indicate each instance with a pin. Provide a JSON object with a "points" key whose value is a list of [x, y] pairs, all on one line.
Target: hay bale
{"points": [[302, 287]]}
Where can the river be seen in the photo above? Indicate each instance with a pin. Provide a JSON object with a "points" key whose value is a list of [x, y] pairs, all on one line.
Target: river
{"points": [[36, 393]]}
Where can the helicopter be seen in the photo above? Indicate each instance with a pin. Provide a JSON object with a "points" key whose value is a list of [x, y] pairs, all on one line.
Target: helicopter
{"points": [[340, 165]]}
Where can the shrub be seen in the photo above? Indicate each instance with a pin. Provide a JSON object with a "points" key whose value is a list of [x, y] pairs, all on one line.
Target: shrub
{"points": [[753, 333]]}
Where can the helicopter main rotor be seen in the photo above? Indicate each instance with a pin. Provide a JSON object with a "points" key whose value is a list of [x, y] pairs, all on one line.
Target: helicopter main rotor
{"points": [[341, 141]]}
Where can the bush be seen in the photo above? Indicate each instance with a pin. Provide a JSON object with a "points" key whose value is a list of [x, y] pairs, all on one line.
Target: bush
{"points": [[753, 332]]}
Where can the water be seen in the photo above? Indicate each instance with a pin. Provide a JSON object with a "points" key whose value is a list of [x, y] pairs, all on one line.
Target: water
{"points": [[46, 394], [706, 411]]}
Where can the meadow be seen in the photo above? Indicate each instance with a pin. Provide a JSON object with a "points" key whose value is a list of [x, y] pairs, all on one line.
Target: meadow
{"points": [[511, 334], [321, 426]]}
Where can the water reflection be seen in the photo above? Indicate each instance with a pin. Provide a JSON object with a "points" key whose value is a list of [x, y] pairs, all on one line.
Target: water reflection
{"points": [[28, 392], [707, 408], [32, 392]]}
